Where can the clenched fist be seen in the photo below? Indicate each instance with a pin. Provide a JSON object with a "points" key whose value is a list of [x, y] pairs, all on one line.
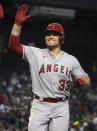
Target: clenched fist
{"points": [[21, 16]]}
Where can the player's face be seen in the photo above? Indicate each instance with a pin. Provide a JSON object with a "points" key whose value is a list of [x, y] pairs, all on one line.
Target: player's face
{"points": [[52, 39]]}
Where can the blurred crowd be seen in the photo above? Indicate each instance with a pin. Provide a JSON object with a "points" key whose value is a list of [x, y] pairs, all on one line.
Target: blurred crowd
{"points": [[15, 102], [83, 109], [83, 105]]}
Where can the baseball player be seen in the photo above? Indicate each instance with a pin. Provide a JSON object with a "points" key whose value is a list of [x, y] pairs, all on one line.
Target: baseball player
{"points": [[52, 71]]}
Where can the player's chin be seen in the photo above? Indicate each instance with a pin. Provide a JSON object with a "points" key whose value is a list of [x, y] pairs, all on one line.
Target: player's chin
{"points": [[51, 47], [52, 43], [49, 44]]}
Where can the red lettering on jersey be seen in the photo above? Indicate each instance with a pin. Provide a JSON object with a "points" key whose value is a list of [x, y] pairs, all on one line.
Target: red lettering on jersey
{"points": [[66, 71], [69, 74], [62, 68], [55, 68], [68, 85], [62, 85], [41, 69], [48, 68]]}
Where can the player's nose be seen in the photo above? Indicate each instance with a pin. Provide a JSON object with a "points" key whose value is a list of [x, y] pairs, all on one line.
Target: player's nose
{"points": [[51, 35]]}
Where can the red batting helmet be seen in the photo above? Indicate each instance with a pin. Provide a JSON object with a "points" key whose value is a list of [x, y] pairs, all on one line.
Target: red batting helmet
{"points": [[58, 28]]}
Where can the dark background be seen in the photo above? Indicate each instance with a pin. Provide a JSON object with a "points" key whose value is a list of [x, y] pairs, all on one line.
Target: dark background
{"points": [[81, 32]]}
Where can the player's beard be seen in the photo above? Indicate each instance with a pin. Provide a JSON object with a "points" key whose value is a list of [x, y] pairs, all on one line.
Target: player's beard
{"points": [[52, 47]]}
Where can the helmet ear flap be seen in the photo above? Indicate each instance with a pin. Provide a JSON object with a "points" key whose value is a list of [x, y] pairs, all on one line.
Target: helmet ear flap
{"points": [[61, 39]]}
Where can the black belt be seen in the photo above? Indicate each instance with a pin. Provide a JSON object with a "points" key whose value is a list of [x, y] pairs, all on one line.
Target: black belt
{"points": [[51, 100]]}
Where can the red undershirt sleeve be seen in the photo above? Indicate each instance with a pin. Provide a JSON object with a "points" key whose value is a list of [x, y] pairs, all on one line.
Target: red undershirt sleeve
{"points": [[15, 46]]}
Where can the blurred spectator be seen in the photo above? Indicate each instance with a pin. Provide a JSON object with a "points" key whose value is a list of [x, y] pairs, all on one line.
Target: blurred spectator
{"points": [[11, 128], [3, 98], [95, 121], [2, 128]]}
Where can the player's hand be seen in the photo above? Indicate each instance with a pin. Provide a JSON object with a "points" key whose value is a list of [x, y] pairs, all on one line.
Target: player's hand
{"points": [[1, 12], [21, 16], [80, 82]]}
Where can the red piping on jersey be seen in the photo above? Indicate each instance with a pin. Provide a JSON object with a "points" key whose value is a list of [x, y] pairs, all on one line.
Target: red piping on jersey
{"points": [[15, 46]]}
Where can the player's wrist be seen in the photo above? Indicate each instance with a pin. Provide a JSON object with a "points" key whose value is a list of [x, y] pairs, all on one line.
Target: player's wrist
{"points": [[16, 30], [17, 21], [81, 82], [17, 27], [18, 24]]}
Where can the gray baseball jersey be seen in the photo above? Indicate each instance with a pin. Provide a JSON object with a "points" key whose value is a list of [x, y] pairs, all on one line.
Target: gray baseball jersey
{"points": [[51, 77]]}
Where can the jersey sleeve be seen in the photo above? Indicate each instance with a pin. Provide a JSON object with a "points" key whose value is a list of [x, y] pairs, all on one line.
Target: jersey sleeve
{"points": [[15, 46], [26, 52], [77, 71], [29, 53]]}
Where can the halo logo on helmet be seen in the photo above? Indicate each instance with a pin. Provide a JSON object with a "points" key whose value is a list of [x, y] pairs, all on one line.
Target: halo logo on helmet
{"points": [[58, 28]]}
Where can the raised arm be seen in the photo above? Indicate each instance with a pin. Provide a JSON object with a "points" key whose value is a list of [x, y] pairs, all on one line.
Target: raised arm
{"points": [[14, 41]]}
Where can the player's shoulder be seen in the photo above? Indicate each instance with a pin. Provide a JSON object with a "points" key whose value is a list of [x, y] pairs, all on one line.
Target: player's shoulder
{"points": [[35, 50], [31, 48], [71, 57]]}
